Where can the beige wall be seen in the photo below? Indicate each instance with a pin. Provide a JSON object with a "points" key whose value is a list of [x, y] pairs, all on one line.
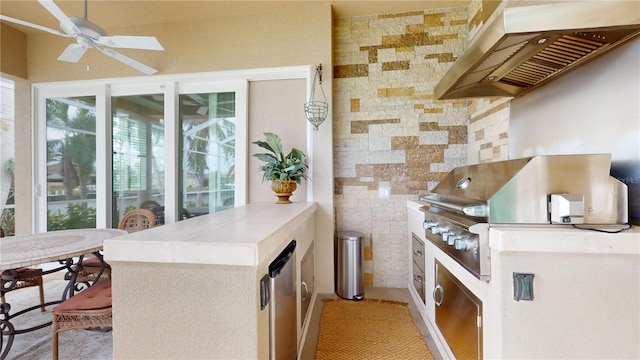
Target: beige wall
{"points": [[294, 35], [275, 114], [13, 49], [24, 187]]}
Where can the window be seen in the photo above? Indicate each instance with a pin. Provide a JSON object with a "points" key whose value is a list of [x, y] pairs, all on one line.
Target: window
{"points": [[111, 148], [175, 144], [138, 154], [208, 143], [71, 162], [7, 155]]}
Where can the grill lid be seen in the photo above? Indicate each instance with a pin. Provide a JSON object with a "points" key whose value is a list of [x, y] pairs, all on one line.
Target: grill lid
{"points": [[523, 47], [520, 191]]}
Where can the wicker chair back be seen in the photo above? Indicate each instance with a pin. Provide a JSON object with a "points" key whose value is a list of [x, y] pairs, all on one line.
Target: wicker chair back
{"points": [[137, 220]]}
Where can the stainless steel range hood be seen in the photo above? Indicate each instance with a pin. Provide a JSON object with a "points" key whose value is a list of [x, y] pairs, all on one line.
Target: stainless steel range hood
{"points": [[523, 47]]}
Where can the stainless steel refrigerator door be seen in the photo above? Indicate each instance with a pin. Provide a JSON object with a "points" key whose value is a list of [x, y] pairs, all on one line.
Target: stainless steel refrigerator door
{"points": [[283, 336]]}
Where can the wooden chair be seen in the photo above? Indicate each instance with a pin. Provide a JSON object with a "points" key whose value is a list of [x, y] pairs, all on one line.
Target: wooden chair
{"points": [[134, 220], [21, 278], [90, 308]]}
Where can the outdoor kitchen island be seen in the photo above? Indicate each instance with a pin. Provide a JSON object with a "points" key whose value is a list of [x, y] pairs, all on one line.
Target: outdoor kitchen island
{"points": [[191, 289], [583, 302]]}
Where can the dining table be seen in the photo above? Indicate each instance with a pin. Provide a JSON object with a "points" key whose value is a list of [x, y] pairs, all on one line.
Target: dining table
{"points": [[65, 249]]}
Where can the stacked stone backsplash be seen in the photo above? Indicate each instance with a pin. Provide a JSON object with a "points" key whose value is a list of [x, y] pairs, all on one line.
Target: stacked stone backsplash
{"points": [[488, 130], [488, 117], [393, 141]]}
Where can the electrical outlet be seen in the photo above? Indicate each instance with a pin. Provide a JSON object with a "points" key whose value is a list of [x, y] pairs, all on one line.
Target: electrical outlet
{"points": [[384, 190]]}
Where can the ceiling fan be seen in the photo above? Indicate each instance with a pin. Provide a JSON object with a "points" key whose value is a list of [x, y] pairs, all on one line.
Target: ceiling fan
{"points": [[88, 34]]}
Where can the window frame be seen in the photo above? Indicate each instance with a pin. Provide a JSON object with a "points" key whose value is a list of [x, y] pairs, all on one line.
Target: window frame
{"points": [[8, 115], [240, 88], [174, 85], [41, 94]]}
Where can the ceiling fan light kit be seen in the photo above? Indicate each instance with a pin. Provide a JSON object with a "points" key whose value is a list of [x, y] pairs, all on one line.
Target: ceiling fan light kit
{"points": [[88, 34]]}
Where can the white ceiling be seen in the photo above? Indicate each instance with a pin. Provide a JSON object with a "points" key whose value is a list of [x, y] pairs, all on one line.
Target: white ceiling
{"points": [[121, 13]]}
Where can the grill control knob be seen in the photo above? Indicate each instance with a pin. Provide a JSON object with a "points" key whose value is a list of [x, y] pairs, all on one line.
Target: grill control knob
{"points": [[427, 224], [436, 229], [452, 239], [446, 235], [461, 244]]}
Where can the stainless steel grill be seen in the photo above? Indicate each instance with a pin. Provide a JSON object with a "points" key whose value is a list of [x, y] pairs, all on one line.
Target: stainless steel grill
{"points": [[547, 189]]}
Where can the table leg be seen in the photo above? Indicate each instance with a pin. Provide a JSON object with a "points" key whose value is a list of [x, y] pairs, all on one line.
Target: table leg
{"points": [[70, 276], [103, 267], [7, 329], [8, 280]]}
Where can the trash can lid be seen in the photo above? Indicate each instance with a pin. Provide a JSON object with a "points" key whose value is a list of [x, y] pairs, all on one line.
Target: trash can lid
{"points": [[350, 235]]}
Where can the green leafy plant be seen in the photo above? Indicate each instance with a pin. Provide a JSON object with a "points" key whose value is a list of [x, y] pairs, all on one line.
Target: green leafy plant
{"points": [[279, 167], [77, 216]]}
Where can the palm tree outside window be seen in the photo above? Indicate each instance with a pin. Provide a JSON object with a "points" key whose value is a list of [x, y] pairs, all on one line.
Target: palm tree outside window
{"points": [[208, 152], [71, 163]]}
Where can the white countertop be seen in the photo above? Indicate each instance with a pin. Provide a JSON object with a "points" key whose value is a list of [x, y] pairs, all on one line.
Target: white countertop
{"points": [[239, 236], [564, 239]]}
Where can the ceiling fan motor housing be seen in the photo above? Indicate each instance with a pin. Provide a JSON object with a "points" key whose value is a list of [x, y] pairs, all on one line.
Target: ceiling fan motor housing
{"points": [[87, 28]]}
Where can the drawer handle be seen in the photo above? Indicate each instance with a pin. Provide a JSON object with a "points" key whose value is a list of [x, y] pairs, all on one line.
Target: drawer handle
{"points": [[306, 290], [417, 252], [417, 278], [436, 290]]}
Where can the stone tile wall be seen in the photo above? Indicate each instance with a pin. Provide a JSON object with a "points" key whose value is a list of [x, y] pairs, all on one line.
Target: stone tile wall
{"points": [[392, 140], [488, 130], [488, 117]]}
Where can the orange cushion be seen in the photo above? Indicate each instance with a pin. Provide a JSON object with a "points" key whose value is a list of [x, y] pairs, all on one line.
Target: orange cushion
{"points": [[23, 270], [97, 296]]}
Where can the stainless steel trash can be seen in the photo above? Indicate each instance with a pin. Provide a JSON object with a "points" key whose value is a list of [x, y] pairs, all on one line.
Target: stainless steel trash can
{"points": [[349, 257]]}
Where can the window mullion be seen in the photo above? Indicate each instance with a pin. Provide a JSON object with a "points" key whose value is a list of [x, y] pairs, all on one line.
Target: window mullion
{"points": [[171, 140], [103, 159]]}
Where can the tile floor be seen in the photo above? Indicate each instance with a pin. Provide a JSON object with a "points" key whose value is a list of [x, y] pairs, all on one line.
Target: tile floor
{"points": [[397, 294]]}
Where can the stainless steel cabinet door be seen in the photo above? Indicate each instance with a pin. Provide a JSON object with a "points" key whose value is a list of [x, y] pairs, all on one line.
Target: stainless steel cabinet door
{"points": [[283, 335], [458, 315]]}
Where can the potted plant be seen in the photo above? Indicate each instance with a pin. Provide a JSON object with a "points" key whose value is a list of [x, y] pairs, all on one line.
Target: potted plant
{"points": [[284, 172]]}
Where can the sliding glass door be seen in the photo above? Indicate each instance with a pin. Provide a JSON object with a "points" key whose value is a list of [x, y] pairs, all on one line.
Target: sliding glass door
{"points": [[178, 149], [213, 143], [71, 162], [208, 146], [138, 162]]}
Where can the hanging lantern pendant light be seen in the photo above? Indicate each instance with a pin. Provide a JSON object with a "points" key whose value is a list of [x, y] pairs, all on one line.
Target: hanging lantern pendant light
{"points": [[316, 111]]}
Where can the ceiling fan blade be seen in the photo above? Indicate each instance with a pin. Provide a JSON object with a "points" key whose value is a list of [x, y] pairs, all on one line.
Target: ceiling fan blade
{"points": [[128, 61], [197, 98], [202, 110], [31, 25], [131, 42], [65, 23], [72, 53]]}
